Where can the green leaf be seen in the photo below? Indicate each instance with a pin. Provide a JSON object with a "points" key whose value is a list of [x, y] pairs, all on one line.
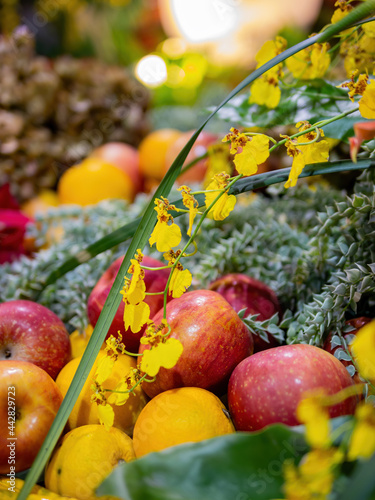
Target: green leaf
{"points": [[241, 465], [361, 483]]}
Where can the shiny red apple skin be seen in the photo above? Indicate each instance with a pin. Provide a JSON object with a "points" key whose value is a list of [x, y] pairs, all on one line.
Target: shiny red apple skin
{"points": [[155, 282], [266, 388], [31, 332], [37, 400], [214, 339], [244, 292], [356, 323], [123, 156]]}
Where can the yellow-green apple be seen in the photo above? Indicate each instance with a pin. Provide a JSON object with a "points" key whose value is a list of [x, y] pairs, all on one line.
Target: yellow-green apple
{"points": [[266, 388], [123, 156], [31, 332], [29, 400], [214, 341], [155, 281], [331, 347], [244, 292]]}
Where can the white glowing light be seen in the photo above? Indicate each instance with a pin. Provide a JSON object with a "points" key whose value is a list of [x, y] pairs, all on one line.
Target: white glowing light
{"points": [[204, 20], [151, 71]]}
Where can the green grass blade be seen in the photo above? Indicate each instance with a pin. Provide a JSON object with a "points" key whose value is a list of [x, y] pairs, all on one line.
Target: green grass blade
{"points": [[139, 240]]}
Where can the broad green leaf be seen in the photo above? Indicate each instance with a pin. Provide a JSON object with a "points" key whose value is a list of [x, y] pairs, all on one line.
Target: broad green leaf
{"points": [[239, 466], [361, 483]]}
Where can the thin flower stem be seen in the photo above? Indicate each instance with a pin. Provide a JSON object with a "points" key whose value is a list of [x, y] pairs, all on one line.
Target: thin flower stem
{"points": [[155, 268], [322, 123], [192, 237], [259, 133], [143, 378], [131, 353], [312, 140]]}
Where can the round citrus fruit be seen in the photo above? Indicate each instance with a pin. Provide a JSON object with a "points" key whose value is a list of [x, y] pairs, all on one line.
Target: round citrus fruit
{"points": [[84, 458], [123, 156], [92, 181], [152, 152], [85, 412], [41, 203], [187, 414]]}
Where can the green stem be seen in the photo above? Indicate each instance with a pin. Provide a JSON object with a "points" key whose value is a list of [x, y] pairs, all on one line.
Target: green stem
{"points": [[322, 123]]}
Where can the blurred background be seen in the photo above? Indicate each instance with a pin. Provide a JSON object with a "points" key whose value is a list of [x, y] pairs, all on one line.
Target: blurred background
{"points": [[77, 74]]}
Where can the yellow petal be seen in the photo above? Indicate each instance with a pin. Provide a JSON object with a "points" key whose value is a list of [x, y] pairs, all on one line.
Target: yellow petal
{"points": [[104, 368], [106, 415], [363, 347], [367, 103], [180, 282], [316, 419], [265, 93], [297, 167], [222, 207], [165, 236], [136, 292], [320, 60], [362, 440], [119, 398], [369, 29], [136, 315], [164, 354], [253, 154], [316, 152]]}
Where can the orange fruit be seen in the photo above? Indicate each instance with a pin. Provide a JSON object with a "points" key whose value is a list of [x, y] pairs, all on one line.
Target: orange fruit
{"points": [[84, 412], [41, 203], [187, 414], [92, 181], [152, 152], [84, 458]]}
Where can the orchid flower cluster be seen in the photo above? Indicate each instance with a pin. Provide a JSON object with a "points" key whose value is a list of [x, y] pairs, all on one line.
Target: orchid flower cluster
{"points": [[248, 150]]}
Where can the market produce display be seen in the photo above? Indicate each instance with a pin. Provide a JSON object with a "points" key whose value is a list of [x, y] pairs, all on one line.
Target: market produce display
{"points": [[192, 319]]}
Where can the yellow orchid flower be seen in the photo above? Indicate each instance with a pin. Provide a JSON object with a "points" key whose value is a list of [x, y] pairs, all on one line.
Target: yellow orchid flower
{"points": [[106, 415], [305, 154], [164, 354], [104, 368], [310, 63], [313, 478], [191, 204], [362, 440], [254, 153], [265, 91], [363, 348], [136, 315], [122, 394], [225, 204], [180, 281], [315, 417], [367, 103]]}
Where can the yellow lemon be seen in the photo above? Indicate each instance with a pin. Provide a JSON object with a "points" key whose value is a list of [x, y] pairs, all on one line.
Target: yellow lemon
{"points": [[187, 414], [94, 180], [84, 412], [84, 458]]}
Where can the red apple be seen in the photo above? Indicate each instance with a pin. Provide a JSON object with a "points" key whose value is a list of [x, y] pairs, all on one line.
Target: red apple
{"points": [[29, 400], [31, 332], [123, 156], [214, 339], [266, 388], [155, 282], [356, 323], [198, 171], [244, 292]]}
